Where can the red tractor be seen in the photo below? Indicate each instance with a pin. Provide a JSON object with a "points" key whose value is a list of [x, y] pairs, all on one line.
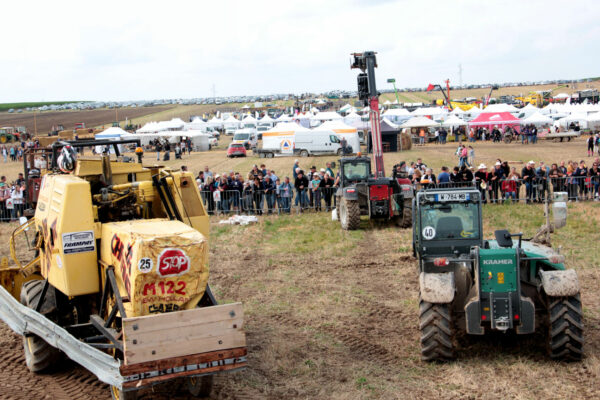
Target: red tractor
{"points": [[362, 192]]}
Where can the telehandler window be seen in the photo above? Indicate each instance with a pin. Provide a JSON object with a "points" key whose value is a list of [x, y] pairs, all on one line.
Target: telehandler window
{"points": [[440, 221], [356, 171]]}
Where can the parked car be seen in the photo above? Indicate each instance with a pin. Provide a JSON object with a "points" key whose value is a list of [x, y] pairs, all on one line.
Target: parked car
{"points": [[236, 150]]}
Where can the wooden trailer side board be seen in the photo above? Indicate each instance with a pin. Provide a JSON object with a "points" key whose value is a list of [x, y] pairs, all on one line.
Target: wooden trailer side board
{"points": [[181, 333]]}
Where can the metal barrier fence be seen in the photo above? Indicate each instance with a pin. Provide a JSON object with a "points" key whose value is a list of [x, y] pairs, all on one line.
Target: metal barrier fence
{"points": [[11, 210], [259, 202]]}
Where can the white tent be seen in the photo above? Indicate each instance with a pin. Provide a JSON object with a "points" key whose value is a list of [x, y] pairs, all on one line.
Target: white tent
{"points": [[216, 123], [284, 118], [149, 127], [496, 108], [454, 121], [346, 108], [577, 117], [196, 124], [537, 119], [458, 111], [434, 112], [387, 103], [396, 112], [112, 132], [249, 120], [417, 122], [342, 130], [326, 116], [561, 96], [231, 122]]}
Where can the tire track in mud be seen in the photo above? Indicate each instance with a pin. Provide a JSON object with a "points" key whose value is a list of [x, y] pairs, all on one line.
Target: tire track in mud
{"points": [[356, 344], [18, 383]]}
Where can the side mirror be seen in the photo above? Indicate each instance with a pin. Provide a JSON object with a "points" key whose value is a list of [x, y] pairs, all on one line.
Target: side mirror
{"points": [[503, 238]]}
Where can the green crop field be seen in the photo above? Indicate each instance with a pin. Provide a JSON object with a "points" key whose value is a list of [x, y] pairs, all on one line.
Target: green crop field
{"points": [[16, 106]]}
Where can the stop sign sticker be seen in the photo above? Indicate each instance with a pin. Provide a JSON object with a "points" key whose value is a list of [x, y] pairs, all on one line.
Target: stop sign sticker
{"points": [[173, 262]]}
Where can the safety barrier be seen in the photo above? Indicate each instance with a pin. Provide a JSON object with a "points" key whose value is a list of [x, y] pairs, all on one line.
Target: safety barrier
{"points": [[274, 201]]}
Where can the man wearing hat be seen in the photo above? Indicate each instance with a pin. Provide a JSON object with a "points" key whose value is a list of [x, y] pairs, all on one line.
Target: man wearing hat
{"points": [[482, 180], [528, 176], [497, 177]]}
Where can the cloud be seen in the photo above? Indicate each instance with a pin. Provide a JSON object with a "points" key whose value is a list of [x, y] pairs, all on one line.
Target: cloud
{"points": [[155, 49]]}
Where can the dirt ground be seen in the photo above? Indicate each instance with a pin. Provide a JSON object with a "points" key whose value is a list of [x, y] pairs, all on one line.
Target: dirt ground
{"points": [[45, 120]]}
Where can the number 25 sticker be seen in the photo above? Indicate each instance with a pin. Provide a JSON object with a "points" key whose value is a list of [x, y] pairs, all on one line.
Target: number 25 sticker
{"points": [[428, 232], [145, 265]]}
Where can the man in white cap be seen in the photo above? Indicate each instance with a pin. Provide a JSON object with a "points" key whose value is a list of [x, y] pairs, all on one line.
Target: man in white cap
{"points": [[482, 178], [528, 176], [497, 177]]}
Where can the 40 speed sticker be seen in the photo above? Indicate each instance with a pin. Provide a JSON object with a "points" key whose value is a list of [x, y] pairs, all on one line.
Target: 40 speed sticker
{"points": [[428, 232], [78, 242]]}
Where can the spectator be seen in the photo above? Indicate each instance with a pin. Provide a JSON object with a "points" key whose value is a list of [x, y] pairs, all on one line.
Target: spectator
{"points": [[301, 185], [326, 187], [285, 193], [528, 175], [482, 180], [443, 177], [316, 182]]}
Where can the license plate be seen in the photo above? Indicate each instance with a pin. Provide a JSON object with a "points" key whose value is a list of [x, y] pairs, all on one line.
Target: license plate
{"points": [[452, 197]]}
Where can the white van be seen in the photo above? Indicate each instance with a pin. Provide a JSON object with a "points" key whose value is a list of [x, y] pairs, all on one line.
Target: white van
{"points": [[247, 137], [316, 142]]}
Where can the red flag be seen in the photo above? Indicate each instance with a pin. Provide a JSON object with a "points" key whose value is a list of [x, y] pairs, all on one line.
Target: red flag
{"points": [[430, 87]]}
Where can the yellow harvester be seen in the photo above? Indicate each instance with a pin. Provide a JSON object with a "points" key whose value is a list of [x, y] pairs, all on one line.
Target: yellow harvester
{"points": [[120, 280]]}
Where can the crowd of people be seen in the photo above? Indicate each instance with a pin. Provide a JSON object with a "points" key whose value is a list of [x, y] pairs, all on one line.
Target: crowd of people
{"points": [[262, 190], [504, 182], [12, 198]]}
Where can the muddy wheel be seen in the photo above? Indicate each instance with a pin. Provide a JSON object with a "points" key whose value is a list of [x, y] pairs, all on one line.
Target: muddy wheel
{"points": [[565, 336], [39, 355], [200, 386], [436, 331], [507, 139], [121, 395], [349, 214], [405, 220]]}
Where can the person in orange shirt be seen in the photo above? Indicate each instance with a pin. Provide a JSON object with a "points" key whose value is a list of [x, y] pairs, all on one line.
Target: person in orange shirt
{"points": [[422, 136]]}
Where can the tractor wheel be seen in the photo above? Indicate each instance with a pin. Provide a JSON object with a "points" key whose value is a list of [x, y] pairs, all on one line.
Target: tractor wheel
{"points": [[349, 214], [507, 139], [39, 355], [405, 220], [565, 336], [340, 152], [200, 386], [3, 139], [436, 331]]}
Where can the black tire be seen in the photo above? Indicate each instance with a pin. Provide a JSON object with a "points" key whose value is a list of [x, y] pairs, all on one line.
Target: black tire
{"points": [[269, 155], [405, 220], [349, 214], [200, 387], [303, 153], [39, 355], [565, 335], [261, 155], [435, 323], [340, 152]]}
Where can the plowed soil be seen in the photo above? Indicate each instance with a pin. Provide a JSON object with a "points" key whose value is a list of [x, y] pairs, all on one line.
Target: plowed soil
{"points": [[46, 120], [334, 315]]}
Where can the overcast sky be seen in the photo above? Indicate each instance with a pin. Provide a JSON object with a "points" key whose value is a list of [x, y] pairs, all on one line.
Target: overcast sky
{"points": [[127, 50]]}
